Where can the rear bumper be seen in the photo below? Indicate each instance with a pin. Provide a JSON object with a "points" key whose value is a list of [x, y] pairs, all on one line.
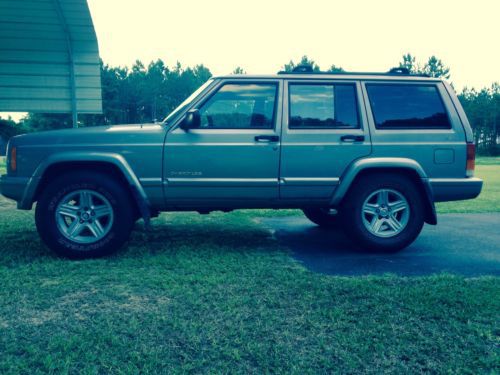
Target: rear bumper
{"points": [[455, 189], [15, 188]]}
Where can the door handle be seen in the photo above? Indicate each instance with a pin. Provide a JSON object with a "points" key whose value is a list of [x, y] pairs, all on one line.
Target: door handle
{"points": [[352, 138], [267, 138]]}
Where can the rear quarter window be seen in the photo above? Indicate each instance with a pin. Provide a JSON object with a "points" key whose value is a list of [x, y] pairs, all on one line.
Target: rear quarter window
{"points": [[405, 106]]}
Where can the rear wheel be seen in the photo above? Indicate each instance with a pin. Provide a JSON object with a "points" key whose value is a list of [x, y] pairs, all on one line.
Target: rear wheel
{"points": [[324, 217], [384, 212], [84, 215]]}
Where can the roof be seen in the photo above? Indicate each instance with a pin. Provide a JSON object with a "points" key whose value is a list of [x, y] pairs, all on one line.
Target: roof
{"points": [[306, 72], [356, 76]]}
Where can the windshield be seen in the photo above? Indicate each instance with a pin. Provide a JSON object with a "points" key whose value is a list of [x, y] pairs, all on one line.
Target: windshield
{"points": [[186, 102]]}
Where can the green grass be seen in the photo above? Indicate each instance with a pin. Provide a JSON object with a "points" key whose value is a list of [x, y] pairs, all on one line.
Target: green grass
{"points": [[488, 160], [488, 200], [218, 294]]}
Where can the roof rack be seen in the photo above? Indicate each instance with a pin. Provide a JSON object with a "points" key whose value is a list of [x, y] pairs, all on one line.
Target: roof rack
{"points": [[308, 69]]}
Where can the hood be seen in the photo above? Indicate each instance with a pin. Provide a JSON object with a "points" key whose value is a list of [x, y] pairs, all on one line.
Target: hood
{"points": [[88, 135]]}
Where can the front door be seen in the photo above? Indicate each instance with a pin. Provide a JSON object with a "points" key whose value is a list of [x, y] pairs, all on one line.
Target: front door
{"points": [[324, 131], [234, 155]]}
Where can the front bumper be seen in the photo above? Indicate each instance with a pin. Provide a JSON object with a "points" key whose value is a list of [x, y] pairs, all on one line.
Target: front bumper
{"points": [[455, 189], [15, 188]]}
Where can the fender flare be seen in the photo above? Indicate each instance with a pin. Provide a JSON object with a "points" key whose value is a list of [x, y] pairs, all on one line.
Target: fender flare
{"points": [[74, 156], [361, 165]]}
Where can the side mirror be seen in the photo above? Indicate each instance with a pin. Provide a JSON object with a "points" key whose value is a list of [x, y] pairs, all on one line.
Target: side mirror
{"points": [[192, 120]]}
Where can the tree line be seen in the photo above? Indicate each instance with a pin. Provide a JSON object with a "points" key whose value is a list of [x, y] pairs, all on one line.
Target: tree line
{"points": [[143, 94]]}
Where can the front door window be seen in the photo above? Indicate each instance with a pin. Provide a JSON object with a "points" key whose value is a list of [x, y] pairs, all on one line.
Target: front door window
{"points": [[240, 106]]}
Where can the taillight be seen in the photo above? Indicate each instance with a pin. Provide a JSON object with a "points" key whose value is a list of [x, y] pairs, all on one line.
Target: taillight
{"points": [[471, 159], [13, 159]]}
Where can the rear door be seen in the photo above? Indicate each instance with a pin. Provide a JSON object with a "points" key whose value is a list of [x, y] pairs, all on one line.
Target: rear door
{"points": [[323, 132]]}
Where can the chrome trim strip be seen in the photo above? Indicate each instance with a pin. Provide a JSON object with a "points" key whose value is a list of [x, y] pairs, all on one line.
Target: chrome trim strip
{"points": [[310, 181], [222, 182], [150, 181]]}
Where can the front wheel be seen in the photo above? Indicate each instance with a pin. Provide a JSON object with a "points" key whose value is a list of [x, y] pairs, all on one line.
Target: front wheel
{"points": [[384, 212], [84, 215]]}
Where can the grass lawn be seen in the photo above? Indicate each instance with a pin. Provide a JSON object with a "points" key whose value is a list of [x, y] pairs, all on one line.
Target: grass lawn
{"points": [[487, 169], [218, 294], [488, 160]]}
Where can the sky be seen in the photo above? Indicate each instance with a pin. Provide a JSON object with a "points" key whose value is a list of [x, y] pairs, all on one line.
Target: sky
{"points": [[262, 35]]}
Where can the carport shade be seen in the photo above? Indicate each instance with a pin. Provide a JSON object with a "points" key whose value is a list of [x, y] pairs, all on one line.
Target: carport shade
{"points": [[49, 57]]}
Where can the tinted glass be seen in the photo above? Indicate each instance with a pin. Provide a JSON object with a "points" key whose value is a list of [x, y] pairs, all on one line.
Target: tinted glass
{"points": [[240, 106], [407, 107], [323, 106]]}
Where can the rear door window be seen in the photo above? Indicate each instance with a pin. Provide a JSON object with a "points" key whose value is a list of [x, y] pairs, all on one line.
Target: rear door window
{"points": [[405, 106], [322, 106]]}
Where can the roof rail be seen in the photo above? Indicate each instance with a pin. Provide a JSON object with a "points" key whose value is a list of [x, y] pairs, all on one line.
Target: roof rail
{"points": [[304, 68], [308, 69], [400, 70]]}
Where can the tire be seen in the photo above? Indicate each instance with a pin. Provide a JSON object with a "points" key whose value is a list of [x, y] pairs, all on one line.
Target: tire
{"points": [[378, 230], [324, 217], [75, 231]]}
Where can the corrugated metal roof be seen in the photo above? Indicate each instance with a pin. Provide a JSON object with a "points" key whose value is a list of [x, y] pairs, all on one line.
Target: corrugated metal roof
{"points": [[48, 56]]}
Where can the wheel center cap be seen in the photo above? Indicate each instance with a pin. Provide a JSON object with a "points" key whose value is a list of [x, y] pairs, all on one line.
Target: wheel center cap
{"points": [[85, 216], [384, 211]]}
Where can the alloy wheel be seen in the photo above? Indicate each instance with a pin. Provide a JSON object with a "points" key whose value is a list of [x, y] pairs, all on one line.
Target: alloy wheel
{"points": [[84, 216], [385, 213]]}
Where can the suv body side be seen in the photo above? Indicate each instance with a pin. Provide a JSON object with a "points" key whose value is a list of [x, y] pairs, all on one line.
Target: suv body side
{"points": [[303, 167], [369, 152]]}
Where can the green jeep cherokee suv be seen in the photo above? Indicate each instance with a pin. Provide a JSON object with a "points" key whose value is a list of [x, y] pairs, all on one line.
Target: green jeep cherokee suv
{"points": [[368, 151]]}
